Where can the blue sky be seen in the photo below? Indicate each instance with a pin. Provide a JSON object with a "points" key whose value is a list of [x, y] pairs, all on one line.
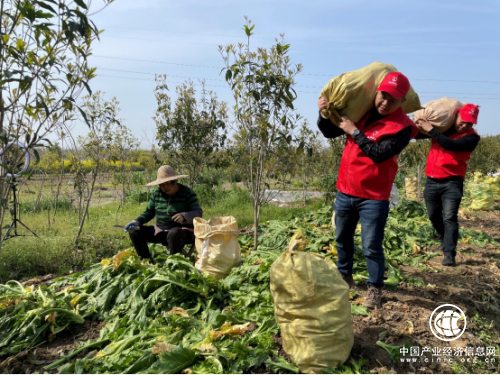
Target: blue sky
{"points": [[446, 48]]}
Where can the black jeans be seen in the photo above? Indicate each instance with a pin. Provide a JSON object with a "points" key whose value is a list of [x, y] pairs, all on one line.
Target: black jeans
{"points": [[443, 200], [174, 239]]}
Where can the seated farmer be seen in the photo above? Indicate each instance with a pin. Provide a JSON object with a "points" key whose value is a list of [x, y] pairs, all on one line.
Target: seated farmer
{"points": [[367, 171], [446, 167], [175, 206]]}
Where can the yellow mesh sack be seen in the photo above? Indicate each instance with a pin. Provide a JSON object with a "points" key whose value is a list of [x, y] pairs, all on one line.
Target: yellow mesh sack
{"points": [[411, 187], [312, 309], [482, 197], [478, 177], [494, 185], [352, 93], [217, 245]]}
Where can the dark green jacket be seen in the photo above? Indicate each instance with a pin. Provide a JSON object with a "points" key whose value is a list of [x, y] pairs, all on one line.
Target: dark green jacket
{"points": [[165, 206]]}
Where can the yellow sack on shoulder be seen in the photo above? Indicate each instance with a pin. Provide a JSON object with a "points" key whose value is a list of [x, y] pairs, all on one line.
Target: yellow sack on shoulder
{"points": [[217, 245], [411, 187], [312, 309], [352, 94], [482, 197], [441, 113]]}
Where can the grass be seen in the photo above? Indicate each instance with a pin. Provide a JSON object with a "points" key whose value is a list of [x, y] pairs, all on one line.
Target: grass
{"points": [[54, 251], [63, 203], [238, 203]]}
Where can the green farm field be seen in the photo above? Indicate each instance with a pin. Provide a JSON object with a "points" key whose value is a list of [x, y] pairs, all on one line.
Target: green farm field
{"points": [[416, 283]]}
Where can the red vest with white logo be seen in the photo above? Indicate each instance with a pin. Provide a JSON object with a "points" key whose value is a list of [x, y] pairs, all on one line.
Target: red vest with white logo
{"points": [[442, 163], [359, 175]]}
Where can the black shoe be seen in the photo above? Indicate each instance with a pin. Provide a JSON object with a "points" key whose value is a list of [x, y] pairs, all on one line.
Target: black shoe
{"points": [[449, 261]]}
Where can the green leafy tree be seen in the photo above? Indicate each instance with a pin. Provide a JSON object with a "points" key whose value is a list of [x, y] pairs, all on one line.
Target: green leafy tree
{"points": [[486, 157], [51, 162], [44, 47], [55, 148], [145, 159], [328, 172], [193, 130], [262, 83], [123, 144], [309, 149], [96, 146]]}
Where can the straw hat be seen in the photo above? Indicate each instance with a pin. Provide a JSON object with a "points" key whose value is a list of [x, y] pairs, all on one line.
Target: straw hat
{"points": [[165, 173]]}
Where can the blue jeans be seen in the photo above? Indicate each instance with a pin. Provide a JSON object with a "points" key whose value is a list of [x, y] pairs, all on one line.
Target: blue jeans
{"points": [[442, 199], [373, 215]]}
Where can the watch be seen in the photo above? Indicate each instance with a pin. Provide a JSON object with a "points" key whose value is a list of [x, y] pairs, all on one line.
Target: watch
{"points": [[355, 132]]}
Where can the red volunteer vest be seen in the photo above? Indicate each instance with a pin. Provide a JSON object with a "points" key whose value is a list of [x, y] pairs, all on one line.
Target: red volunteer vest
{"points": [[359, 175], [442, 163]]}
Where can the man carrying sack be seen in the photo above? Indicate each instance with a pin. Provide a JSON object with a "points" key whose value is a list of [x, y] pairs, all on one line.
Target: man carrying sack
{"points": [[175, 206], [446, 166], [367, 171]]}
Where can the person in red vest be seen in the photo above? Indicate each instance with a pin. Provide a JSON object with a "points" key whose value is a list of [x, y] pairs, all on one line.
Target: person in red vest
{"points": [[446, 167], [367, 171]]}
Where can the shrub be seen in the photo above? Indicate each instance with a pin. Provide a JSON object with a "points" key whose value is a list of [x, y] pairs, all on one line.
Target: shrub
{"points": [[137, 178], [328, 185], [137, 195]]}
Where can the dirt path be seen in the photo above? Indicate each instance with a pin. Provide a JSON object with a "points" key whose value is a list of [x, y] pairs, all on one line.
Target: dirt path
{"points": [[474, 286]]}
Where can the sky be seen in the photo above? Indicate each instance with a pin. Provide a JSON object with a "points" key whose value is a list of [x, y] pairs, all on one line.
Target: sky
{"points": [[445, 48]]}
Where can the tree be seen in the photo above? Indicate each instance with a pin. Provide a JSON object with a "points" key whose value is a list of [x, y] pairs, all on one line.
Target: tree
{"points": [[193, 130], [329, 171], [44, 47], [413, 159], [97, 145], [123, 143], [55, 148], [309, 148], [262, 84], [486, 157], [51, 162]]}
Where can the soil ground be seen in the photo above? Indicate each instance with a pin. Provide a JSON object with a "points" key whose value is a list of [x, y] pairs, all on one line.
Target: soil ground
{"points": [[473, 285]]}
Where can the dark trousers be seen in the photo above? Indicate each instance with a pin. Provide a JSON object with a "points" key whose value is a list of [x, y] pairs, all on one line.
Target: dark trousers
{"points": [[373, 214], [443, 200], [174, 239]]}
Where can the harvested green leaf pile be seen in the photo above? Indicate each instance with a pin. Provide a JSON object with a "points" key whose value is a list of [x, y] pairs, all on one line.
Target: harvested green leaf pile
{"points": [[167, 317]]}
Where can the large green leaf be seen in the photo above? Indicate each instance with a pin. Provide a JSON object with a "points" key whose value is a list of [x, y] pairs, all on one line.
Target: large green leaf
{"points": [[81, 3], [359, 310], [280, 364], [174, 361]]}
